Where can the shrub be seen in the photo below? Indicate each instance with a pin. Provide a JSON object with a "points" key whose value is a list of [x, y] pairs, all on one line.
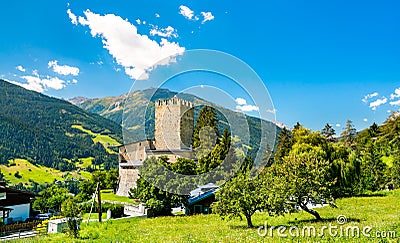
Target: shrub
{"points": [[72, 211], [117, 210]]}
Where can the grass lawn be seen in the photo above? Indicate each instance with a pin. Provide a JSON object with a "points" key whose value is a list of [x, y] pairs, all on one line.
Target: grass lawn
{"points": [[105, 140], [37, 173], [110, 196], [380, 212], [94, 215]]}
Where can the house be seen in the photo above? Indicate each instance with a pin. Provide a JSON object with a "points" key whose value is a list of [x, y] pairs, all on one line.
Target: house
{"points": [[15, 205], [201, 199]]}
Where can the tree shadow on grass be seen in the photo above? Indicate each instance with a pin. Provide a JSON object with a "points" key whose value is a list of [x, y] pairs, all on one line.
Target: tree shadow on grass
{"points": [[242, 227], [373, 195], [324, 220], [297, 223]]}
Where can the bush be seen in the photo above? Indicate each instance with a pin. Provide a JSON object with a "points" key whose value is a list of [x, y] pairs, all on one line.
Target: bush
{"points": [[117, 210], [72, 211]]}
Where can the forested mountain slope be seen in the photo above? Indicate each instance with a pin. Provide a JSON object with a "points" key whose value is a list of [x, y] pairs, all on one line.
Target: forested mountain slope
{"points": [[40, 129]]}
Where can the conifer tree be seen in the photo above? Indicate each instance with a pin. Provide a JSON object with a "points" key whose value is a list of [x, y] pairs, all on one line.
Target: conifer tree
{"points": [[205, 133], [349, 134], [329, 133]]}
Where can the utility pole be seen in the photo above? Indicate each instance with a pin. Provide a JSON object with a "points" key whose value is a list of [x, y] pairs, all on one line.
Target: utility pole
{"points": [[99, 200]]}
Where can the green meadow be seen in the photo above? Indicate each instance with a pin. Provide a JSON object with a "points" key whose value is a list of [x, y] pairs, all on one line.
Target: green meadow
{"points": [[38, 173], [105, 140], [379, 211], [108, 195]]}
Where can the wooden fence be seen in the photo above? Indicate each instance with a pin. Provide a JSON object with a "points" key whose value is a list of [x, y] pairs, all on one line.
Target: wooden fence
{"points": [[4, 229]]}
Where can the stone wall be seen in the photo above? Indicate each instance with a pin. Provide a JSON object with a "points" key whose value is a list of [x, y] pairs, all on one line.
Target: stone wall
{"points": [[135, 152], [128, 176]]}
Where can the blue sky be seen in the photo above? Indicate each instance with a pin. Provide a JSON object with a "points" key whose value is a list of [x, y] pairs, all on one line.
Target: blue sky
{"points": [[317, 59]]}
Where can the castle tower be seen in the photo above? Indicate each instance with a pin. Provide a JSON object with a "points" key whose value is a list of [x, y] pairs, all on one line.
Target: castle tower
{"points": [[174, 124]]}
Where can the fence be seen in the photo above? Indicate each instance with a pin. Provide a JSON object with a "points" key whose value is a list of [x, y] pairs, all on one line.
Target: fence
{"points": [[5, 229]]}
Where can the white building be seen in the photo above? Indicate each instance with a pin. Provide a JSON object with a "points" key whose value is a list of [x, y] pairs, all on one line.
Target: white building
{"points": [[57, 225]]}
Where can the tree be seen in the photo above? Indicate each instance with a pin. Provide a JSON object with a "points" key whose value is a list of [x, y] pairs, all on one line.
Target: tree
{"points": [[205, 132], [111, 180], [158, 201], [108, 180], [86, 190], [243, 195], [305, 172], [373, 168], [284, 144], [184, 166], [373, 131], [51, 199], [218, 154], [72, 211], [240, 196], [345, 168], [396, 170], [297, 126], [328, 132], [349, 134], [305, 176]]}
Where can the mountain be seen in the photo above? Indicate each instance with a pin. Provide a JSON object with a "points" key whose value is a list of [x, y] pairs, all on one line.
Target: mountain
{"points": [[141, 107], [78, 100], [387, 135], [49, 131]]}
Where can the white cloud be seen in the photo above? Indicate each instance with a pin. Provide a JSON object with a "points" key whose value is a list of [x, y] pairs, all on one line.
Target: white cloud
{"points": [[186, 12], [395, 103], [241, 101], [38, 84], [396, 94], [369, 96], [64, 69], [207, 17], [137, 53], [365, 119], [72, 16], [21, 68], [247, 108], [33, 83], [272, 111], [375, 104], [137, 21], [166, 32], [338, 125], [53, 83], [243, 106], [157, 15], [189, 14]]}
